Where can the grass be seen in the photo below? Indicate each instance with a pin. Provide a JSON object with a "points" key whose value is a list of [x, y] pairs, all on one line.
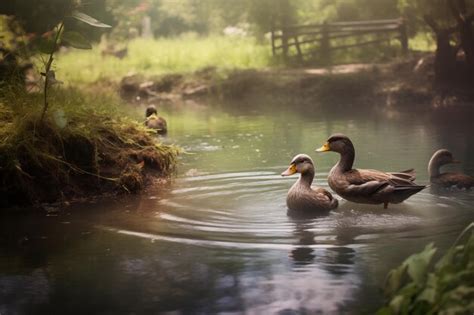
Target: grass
{"points": [[187, 54], [155, 57], [85, 146], [423, 42]]}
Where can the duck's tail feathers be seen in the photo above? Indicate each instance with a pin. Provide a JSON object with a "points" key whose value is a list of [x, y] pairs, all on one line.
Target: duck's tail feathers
{"points": [[414, 188]]}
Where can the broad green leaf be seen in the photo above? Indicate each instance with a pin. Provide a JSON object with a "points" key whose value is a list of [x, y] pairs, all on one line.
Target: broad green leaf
{"points": [[417, 264], [396, 303], [384, 311], [393, 281], [88, 19], [427, 295], [76, 40], [46, 46]]}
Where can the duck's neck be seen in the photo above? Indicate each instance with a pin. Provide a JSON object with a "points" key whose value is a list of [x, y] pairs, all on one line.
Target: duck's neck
{"points": [[433, 168], [346, 161], [306, 178]]}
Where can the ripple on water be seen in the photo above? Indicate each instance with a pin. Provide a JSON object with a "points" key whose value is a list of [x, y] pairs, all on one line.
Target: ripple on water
{"points": [[248, 210]]}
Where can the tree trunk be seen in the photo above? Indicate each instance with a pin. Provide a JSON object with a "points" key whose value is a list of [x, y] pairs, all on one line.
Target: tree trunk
{"points": [[445, 56], [466, 33]]}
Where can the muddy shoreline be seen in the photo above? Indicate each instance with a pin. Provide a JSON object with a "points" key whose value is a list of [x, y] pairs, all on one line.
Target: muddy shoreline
{"points": [[393, 85]]}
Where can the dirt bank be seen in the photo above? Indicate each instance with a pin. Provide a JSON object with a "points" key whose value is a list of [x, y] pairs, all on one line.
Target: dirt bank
{"points": [[408, 81]]}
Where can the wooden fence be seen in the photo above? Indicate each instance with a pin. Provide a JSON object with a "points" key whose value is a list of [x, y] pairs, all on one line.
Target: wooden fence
{"points": [[317, 39]]}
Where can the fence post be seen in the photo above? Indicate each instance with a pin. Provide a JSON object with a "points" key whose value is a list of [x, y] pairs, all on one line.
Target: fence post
{"points": [[325, 44], [298, 48], [273, 41], [284, 42], [403, 36]]}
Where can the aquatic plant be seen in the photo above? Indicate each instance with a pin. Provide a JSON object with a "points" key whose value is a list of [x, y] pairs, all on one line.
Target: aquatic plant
{"points": [[419, 287]]}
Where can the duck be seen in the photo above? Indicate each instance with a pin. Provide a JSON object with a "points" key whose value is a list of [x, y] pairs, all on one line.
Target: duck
{"points": [[303, 197], [153, 121], [366, 186], [448, 179]]}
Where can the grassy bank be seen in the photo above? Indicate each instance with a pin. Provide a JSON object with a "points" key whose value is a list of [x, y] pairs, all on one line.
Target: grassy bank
{"points": [[85, 146], [155, 57]]}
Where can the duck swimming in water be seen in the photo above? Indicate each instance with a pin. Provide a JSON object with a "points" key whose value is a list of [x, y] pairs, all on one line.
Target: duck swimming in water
{"points": [[366, 185], [153, 121], [303, 197], [448, 179]]}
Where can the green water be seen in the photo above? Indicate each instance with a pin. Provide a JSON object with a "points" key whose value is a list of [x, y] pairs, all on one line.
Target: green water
{"points": [[217, 238]]}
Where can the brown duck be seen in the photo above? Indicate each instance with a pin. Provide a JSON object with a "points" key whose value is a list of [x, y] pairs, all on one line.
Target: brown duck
{"points": [[303, 197], [448, 179], [366, 186], [153, 121]]}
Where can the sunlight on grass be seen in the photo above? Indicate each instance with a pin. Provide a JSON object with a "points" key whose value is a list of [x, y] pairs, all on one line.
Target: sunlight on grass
{"points": [[155, 57], [423, 42]]}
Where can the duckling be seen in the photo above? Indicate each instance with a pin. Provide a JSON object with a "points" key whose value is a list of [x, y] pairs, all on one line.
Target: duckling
{"points": [[366, 186], [153, 121], [303, 197], [448, 179]]}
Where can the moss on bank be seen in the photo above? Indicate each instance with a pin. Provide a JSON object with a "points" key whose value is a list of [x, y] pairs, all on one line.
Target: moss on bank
{"points": [[84, 147]]}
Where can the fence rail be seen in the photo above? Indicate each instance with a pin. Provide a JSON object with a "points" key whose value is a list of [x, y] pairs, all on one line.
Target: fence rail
{"points": [[302, 36]]}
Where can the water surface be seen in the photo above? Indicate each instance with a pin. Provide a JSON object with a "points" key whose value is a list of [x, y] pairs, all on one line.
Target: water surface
{"points": [[218, 238]]}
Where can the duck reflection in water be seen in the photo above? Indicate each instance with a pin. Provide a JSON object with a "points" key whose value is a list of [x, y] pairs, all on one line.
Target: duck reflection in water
{"points": [[335, 260]]}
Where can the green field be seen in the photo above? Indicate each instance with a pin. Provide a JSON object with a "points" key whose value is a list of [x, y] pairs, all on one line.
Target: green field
{"points": [[154, 57]]}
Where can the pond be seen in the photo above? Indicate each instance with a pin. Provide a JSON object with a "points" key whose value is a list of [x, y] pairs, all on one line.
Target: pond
{"points": [[218, 239]]}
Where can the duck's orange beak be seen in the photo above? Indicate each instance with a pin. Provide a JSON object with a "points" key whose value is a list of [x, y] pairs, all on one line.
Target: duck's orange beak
{"points": [[324, 148], [290, 171]]}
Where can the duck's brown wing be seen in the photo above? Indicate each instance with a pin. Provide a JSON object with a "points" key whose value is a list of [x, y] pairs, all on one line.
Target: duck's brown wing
{"points": [[455, 179], [322, 191], [155, 122], [367, 182], [330, 202], [407, 174]]}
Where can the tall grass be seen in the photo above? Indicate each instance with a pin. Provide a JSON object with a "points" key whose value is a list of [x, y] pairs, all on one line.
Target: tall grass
{"points": [[155, 57]]}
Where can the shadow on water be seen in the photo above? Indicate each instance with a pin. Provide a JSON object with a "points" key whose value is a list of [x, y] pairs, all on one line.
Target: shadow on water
{"points": [[219, 239]]}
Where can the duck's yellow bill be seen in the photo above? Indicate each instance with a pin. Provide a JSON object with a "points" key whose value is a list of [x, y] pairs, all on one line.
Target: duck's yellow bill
{"points": [[324, 148], [290, 171]]}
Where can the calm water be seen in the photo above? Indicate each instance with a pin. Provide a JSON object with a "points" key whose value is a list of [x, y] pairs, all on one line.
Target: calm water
{"points": [[218, 239]]}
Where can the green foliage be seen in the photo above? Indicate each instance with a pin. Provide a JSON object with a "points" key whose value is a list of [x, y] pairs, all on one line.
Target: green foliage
{"points": [[76, 40], [88, 19], [418, 287]]}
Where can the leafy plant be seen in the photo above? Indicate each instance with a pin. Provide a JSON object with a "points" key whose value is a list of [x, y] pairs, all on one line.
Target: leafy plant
{"points": [[68, 38], [418, 287]]}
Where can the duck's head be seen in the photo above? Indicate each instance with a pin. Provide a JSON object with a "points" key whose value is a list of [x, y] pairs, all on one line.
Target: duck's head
{"points": [[337, 143], [442, 157], [301, 163], [150, 110]]}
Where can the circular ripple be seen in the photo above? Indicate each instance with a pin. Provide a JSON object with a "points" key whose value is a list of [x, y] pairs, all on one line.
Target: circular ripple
{"points": [[248, 210]]}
